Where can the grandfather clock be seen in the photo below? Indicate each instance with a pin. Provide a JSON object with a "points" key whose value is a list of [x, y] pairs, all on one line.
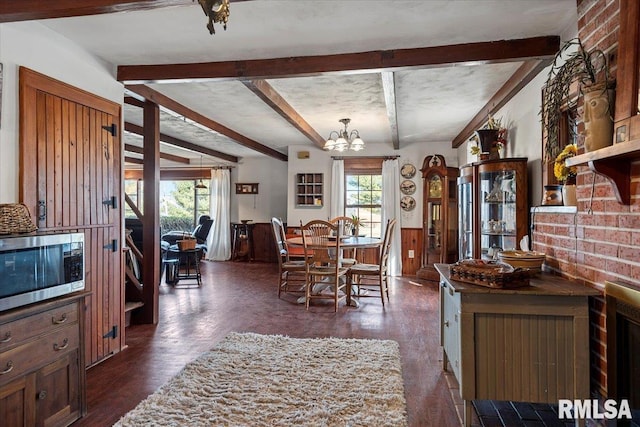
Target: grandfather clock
{"points": [[439, 216]]}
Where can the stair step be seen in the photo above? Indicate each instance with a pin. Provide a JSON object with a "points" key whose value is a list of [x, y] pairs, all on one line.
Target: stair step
{"points": [[132, 305]]}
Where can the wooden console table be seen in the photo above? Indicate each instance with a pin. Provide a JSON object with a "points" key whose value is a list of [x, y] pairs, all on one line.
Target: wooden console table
{"points": [[528, 344]]}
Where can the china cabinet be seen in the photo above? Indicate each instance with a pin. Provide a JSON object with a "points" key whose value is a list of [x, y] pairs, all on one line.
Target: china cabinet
{"points": [[493, 206], [439, 215]]}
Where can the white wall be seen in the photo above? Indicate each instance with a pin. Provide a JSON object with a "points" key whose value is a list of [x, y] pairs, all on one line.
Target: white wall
{"points": [[319, 161], [271, 200], [34, 46]]}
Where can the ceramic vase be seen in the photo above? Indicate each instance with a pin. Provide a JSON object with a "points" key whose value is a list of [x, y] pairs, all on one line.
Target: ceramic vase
{"points": [[598, 125], [569, 195]]}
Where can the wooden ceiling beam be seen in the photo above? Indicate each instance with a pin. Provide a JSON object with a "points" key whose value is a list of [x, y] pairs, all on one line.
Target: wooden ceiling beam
{"points": [[139, 150], [273, 99], [26, 10], [153, 95], [130, 100], [389, 89], [523, 75], [133, 160], [373, 61], [167, 139]]}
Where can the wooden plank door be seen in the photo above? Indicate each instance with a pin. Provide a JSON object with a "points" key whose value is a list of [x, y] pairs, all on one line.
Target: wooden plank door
{"points": [[70, 169]]}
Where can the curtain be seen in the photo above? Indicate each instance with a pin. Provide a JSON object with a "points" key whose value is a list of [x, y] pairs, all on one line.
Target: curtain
{"points": [[219, 240], [390, 210], [337, 189]]}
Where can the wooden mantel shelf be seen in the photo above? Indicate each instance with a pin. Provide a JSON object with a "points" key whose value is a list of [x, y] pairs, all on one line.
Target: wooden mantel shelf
{"points": [[614, 163]]}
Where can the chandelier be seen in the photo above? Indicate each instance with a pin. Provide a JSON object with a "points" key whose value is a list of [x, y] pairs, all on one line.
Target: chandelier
{"points": [[217, 11], [343, 140]]}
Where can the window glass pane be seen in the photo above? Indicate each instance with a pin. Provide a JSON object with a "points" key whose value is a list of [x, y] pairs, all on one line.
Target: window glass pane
{"points": [[363, 199], [180, 207]]}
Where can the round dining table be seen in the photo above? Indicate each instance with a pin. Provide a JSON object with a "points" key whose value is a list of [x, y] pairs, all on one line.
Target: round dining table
{"points": [[346, 242]]}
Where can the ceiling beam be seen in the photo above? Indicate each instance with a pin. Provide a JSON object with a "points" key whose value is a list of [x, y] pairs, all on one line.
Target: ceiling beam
{"points": [[133, 160], [273, 99], [130, 100], [523, 75], [153, 95], [167, 139], [26, 10], [389, 89], [373, 61], [139, 150]]}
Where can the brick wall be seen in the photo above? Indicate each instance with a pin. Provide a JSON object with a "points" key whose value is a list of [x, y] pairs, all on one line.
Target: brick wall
{"points": [[602, 240]]}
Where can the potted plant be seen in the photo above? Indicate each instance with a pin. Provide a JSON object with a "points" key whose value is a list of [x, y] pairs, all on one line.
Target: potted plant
{"points": [[566, 175], [489, 140], [587, 71], [356, 222]]}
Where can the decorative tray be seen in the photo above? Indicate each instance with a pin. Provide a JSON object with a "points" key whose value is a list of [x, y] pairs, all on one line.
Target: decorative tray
{"points": [[491, 274]]}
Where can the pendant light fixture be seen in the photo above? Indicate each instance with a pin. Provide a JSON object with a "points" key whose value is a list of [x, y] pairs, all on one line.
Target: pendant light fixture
{"points": [[200, 185], [343, 140]]}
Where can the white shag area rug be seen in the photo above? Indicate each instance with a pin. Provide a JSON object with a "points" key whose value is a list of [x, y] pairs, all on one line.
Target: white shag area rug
{"points": [[271, 380]]}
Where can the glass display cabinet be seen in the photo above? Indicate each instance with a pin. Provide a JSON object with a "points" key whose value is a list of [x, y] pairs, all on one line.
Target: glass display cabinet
{"points": [[439, 216], [493, 209], [465, 212]]}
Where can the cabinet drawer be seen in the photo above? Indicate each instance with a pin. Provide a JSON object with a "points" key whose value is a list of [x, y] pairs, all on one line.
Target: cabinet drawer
{"points": [[37, 353], [14, 333]]}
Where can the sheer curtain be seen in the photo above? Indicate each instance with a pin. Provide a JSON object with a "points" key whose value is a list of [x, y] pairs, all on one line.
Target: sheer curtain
{"points": [[337, 189], [391, 209], [219, 240]]}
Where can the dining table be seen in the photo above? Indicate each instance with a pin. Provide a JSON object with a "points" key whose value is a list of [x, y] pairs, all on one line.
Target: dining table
{"points": [[330, 242]]}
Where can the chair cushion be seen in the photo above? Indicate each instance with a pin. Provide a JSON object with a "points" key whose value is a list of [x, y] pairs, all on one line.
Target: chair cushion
{"points": [[293, 265], [365, 269]]}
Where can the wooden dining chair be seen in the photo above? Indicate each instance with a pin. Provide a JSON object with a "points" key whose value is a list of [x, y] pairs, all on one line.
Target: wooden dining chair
{"points": [[289, 271], [373, 277], [347, 227], [325, 275]]}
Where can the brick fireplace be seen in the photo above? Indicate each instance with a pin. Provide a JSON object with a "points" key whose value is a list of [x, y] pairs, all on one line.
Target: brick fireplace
{"points": [[623, 345]]}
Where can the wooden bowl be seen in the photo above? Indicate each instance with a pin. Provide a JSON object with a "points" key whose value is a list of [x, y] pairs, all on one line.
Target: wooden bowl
{"points": [[522, 259]]}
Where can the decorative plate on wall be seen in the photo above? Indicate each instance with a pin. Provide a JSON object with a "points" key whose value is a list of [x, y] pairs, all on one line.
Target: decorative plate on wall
{"points": [[408, 187], [407, 203], [408, 170]]}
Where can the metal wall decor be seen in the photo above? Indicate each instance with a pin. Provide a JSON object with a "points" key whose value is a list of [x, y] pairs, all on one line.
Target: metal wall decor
{"points": [[217, 11]]}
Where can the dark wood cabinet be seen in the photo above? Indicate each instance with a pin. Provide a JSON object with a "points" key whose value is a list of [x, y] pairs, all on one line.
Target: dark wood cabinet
{"points": [[439, 216], [42, 373]]}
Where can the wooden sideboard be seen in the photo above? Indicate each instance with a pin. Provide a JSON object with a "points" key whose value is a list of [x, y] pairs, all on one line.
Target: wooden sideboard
{"points": [[528, 344], [42, 373]]}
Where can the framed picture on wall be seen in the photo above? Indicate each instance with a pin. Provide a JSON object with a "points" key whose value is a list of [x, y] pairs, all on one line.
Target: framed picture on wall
{"points": [[246, 188]]}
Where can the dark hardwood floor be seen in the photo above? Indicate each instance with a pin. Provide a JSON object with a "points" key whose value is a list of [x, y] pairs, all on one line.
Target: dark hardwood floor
{"points": [[240, 296]]}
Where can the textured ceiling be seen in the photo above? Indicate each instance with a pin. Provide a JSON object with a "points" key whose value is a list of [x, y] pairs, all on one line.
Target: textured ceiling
{"points": [[432, 104]]}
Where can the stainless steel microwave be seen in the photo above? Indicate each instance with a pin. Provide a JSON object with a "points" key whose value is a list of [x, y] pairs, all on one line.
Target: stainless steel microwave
{"points": [[38, 267]]}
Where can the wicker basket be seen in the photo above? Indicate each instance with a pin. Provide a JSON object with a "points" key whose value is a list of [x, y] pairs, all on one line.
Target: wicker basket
{"points": [[15, 218], [490, 274], [186, 244]]}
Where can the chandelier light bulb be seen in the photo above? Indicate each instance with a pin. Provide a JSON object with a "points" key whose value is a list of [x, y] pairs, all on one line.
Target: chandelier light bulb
{"points": [[343, 140]]}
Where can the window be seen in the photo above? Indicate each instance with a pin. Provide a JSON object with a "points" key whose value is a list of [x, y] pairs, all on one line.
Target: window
{"points": [[181, 204], [568, 135], [363, 198], [363, 193]]}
